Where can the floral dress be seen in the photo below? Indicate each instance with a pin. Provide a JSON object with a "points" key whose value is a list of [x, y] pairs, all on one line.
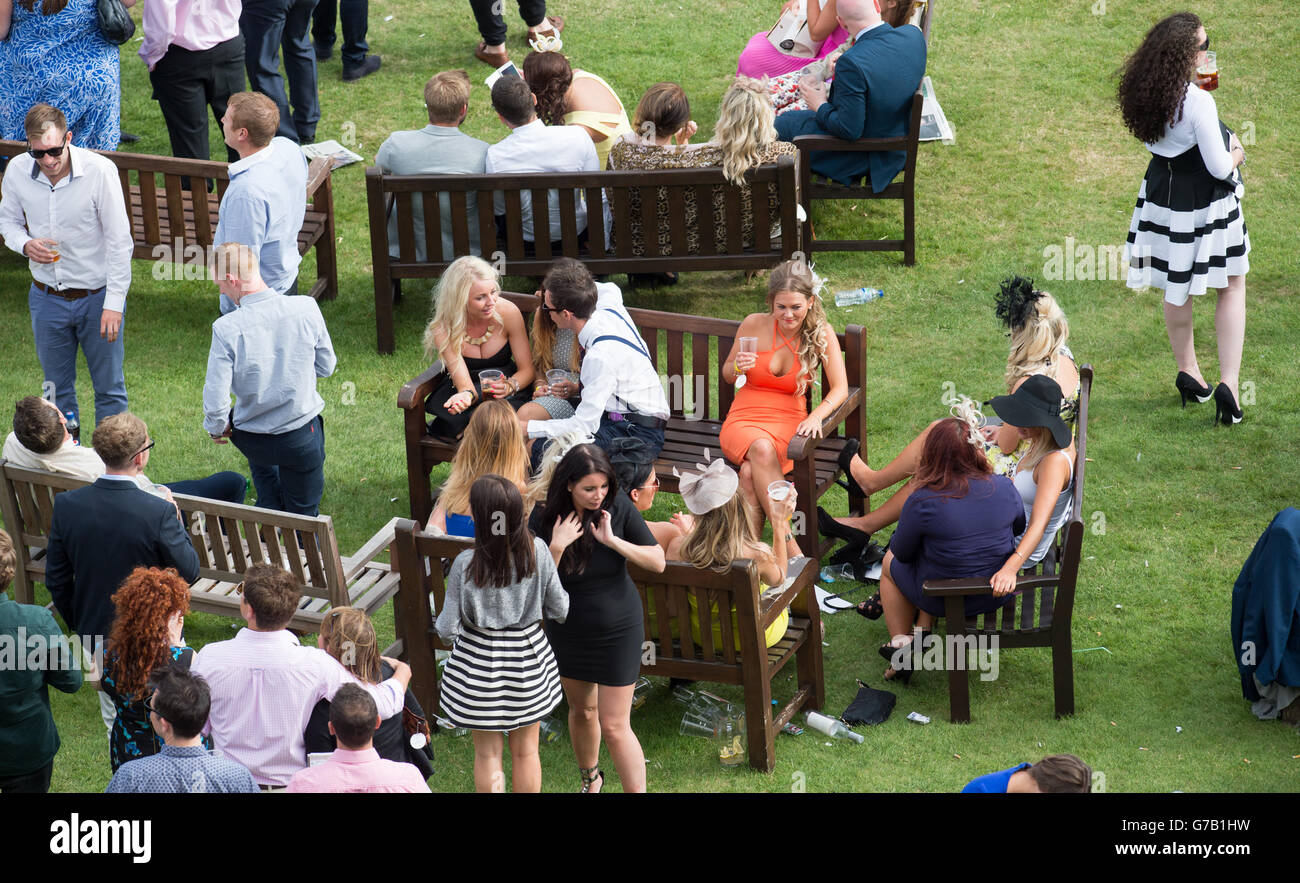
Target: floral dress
{"points": [[133, 735], [61, 60]]}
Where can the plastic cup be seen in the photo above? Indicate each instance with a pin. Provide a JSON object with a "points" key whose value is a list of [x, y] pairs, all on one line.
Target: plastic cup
{"points": [[1209, 71], [487, 380], [779, 490], [52, 245], [697, 725], [555, 377]]}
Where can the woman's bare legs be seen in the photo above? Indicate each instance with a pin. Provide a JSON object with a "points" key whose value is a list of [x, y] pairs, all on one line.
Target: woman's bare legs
{"points": [[900, 613], [525, 765], [615, 705], [1230, 328], [1179, 324], [875, 480], [584, 723], [488, 777], [531, 411], [764, 468], [883, 516]]}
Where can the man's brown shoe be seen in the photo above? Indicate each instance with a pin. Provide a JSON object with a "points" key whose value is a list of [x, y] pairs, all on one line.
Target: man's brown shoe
{"points": [[496, 59]]}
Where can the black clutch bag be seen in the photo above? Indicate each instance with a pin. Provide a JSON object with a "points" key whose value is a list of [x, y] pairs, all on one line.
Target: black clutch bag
{"points": [[115, 24]]}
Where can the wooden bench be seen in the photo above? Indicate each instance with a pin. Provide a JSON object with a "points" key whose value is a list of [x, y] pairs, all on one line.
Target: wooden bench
{"points": [[398, 194], [1040, 615], [814, 187], [670, 649], [686, 351], [175, 222], [228, 538]]}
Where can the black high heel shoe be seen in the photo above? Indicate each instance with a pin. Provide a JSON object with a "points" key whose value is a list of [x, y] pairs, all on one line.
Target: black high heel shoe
{"points": [[831, 528], [845, 462], [1225, 406], [1190, 389]]}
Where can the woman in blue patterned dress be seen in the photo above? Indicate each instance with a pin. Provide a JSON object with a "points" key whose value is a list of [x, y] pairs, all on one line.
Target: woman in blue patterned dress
{"points": [[55, 54], [151, 606]]}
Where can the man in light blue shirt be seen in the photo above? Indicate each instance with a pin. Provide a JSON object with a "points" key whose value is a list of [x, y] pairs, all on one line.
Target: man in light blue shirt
{"points": [[440, 148], [264, 205], [269, 352], [178, 709]]}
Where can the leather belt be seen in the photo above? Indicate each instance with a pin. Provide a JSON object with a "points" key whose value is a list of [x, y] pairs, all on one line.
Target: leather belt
{"points": [[66, 293], [639, 419]]}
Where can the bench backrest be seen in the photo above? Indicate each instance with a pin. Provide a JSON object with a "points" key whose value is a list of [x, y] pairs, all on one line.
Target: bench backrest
{"points": [[304, 545], [685, 604], [665, 189], [687, 350]]}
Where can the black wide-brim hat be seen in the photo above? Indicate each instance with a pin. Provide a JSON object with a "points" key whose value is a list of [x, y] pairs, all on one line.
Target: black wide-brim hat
{"points": [[1037, 402]]}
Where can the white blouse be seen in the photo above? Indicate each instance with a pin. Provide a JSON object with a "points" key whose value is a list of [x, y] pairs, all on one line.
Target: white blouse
{"points": [[1199, 125]]}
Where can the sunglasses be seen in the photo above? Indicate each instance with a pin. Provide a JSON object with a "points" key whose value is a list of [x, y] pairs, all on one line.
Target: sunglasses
{"points": [[52, 151], [653, 484], [1203, 47], [148, 707], [145, 448]]}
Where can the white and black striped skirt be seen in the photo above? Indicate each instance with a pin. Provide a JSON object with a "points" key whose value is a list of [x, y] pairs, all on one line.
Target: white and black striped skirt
{"points": [[500, 679], [1187, 234]]}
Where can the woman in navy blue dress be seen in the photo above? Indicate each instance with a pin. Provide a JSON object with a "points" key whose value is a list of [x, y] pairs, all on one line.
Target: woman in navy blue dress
{"points": [[961, 521], [55, 54]]}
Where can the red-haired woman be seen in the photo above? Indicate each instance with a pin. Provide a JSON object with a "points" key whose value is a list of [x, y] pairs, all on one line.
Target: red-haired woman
{"points": [[151, 606], [960, 521]]}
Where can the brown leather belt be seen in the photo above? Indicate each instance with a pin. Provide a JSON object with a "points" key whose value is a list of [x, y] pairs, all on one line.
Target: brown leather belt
{"points": [[66, 293]]}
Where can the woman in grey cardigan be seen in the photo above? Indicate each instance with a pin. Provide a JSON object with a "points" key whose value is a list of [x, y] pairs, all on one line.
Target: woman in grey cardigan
{"points": [[501, 676]]}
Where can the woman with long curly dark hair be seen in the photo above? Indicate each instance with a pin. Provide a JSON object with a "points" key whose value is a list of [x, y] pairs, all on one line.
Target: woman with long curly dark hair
{"points": [[1187, 232], [569, 97], [151, 606]]}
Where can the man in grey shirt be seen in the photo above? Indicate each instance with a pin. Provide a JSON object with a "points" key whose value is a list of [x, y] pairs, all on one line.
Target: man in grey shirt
{"points": [[440, 148]]}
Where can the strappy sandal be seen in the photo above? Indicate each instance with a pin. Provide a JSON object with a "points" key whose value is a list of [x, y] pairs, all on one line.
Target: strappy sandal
{"points": [[872, 608], [590, 776]]}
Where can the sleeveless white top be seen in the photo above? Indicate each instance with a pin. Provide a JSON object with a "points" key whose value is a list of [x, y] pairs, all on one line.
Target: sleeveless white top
{"points": [[1028, 488]]}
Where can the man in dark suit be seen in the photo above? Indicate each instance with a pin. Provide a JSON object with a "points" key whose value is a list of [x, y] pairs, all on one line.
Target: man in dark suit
{"points": [[871, 96], [102, 532]]}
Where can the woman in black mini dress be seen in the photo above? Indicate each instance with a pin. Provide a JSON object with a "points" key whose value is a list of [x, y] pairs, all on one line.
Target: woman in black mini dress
{"points": [[593, 531]]}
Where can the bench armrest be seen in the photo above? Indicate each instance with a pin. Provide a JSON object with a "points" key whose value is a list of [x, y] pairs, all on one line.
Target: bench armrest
{"points": [[795, 596], [943, 588], [803, 446], [318, 174], [356, 563], [415, 391]]}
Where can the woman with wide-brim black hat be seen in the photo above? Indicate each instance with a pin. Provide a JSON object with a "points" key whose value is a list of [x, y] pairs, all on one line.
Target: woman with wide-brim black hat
{"points": [[1044, 480]]}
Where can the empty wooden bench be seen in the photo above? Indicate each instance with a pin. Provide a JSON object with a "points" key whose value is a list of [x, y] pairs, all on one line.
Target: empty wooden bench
{"points": [[397, 195], [686, 351], [171, 222], [671, 649], [228, 538], [1040, 615]]}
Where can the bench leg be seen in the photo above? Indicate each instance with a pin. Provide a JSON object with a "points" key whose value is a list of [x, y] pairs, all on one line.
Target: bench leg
{"points": [[958, 677], [1063, 675]]}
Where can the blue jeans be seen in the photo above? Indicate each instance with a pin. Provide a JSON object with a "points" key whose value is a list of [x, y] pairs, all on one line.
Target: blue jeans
{"points": [[354, 16], [267, 25], [59, 326], [288, 468], [228, 487]]}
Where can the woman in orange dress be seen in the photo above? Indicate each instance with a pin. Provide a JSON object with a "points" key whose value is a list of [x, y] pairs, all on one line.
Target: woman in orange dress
{"points": [[795, 342]]}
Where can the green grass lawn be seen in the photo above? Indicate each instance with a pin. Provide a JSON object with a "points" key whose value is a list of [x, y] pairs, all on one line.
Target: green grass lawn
{"points": [[1174, 505]]}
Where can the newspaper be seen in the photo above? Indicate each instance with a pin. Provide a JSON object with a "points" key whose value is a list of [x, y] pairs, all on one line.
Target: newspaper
{"points": [[934, 125], [334, 150]]}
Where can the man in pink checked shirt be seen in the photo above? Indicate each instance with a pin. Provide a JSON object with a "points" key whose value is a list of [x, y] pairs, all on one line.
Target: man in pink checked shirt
{"points": [[355, 767], [195, 55], [265, 684]]}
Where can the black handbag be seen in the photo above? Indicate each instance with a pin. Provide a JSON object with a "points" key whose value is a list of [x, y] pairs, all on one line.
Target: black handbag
{"points": [[115, 23]]}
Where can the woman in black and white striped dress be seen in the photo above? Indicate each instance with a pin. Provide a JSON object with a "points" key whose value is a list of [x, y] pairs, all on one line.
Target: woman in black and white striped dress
{"points": [[501, 676], [1187, 233]]}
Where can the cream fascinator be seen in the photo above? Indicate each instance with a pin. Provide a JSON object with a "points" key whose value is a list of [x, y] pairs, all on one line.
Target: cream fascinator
{"points": [[713, 485]]}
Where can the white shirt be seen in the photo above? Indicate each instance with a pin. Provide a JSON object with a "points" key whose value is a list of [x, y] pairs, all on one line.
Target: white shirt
{"points": [[84, 212], [264, 686], [614, 376], [1198, 126], [537, 147], [69, 458]]}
